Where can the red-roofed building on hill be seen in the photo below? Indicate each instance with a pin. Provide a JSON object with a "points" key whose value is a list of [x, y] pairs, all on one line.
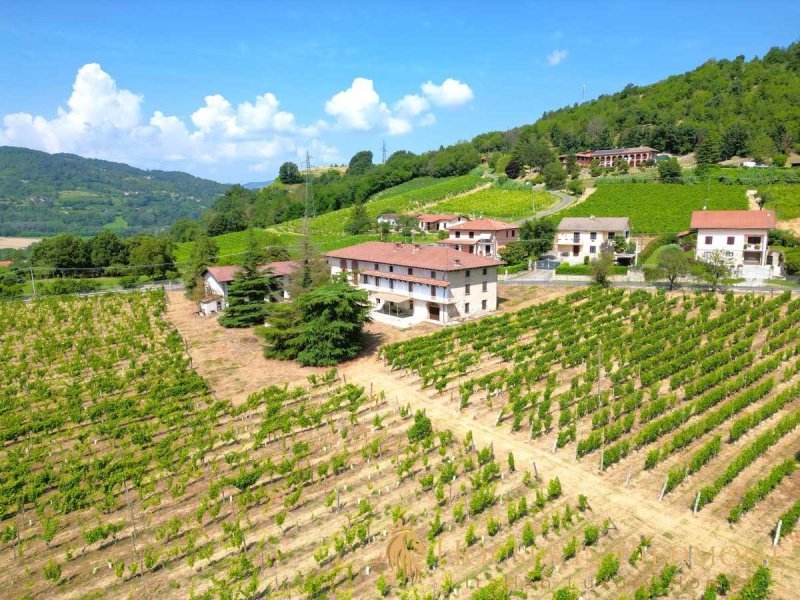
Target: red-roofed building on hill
{"points": [[483, 237], [607, 158], [741, 236], [438, 222], [411, 283], [217, 278]]}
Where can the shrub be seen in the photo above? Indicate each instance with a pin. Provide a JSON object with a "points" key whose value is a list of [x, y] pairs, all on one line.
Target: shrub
{"points": [[609, 567], [570, 549], [591, 534], [554, 489], [421, 429], [382, 585], [52, 570]]}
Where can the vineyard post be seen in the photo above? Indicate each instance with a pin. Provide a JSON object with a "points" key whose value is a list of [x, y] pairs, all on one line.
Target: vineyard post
{"points": [[628, 478], [689, 562], [664, 489], [536, 472], [696, 503], [777, 533]]}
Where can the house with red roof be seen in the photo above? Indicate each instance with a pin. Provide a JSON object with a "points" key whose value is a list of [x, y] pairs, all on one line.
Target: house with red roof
{"points": [[742, 237], [483, 237], [438, 222], [217, 278], [412, 283]]}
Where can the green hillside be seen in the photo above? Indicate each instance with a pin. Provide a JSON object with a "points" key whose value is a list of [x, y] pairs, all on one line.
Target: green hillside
{"points": [[658, 208], [749, 107], [42, 194]]}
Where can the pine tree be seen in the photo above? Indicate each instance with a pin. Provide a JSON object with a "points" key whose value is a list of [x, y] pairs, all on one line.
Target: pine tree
{"points": [[708, 151], [359, 219], [204, 253], [249, 290]]}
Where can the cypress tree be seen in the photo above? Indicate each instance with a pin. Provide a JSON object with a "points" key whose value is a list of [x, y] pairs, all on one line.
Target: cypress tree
{"points": [[248, 291]]}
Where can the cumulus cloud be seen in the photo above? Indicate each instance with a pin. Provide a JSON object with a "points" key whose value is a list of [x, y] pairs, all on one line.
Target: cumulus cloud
{"points": [[449, 94], [411, 105], [556, 57], [102, 120], [359, 106]]}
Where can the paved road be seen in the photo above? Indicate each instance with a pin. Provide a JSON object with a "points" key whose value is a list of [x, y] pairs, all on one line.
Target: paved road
{"points": [[564, 201]]}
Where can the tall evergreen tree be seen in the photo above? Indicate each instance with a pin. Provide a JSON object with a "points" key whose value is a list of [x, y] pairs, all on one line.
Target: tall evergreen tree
{"points": [[204, 253], [708, 150], [359, 219], [249, 290]]}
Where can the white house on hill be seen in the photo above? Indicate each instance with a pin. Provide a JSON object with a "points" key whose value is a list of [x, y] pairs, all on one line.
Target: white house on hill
{"points": [[484, 237], [411, 283], [438, 222], [742, 236], [579, 238]]}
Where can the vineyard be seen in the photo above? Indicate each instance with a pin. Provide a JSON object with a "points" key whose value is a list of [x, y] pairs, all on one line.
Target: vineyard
{"points": [[658, 208], [124, 475], [688, 400], [510, 204]]}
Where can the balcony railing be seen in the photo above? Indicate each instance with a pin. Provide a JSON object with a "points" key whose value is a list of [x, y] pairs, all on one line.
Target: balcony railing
{"points": [[752, 247], [410, 295]]}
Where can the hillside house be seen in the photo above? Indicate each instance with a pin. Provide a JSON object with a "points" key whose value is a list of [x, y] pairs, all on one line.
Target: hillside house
{"points": [[741, 236], [606, 158], [579, 238], [391, 218], [411, 283], [438, 222], [217, 278], [483, 237]]}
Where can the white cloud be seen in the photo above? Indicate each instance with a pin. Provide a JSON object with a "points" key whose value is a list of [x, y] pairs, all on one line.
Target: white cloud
{"points": [[556, 57], [449, 94], [359, 106], [411, 105]]}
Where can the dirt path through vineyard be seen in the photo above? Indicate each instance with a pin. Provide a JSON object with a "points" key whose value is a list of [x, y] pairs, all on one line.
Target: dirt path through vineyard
{"points": [[716, 547]]}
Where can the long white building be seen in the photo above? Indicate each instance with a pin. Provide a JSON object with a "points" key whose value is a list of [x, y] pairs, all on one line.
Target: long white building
{"points": [[579, 238], [411, 283]]}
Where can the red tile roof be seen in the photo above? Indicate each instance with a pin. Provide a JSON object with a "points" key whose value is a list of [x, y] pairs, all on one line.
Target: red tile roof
{"points": [[483, 225], [225, 274], [733, 219], [459, 241], [435, 258], [436, 218], [5, 263]]}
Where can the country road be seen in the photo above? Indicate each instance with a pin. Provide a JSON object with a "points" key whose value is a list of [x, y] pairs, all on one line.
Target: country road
{"points": [[565, 200]]}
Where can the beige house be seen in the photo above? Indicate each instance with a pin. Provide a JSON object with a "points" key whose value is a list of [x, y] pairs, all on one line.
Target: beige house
{"points": [[483, 237], [217, 278], [411, 283], [438, 222], [579, 238]]}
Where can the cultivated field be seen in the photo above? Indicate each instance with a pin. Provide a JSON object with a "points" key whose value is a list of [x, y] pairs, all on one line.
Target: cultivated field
{"points": [[17, 243], [125, 475], [498, 203], [658, 208]]}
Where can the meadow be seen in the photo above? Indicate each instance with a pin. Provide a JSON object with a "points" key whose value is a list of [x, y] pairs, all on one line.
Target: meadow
{"points": [[658, 208], [783, 199]]}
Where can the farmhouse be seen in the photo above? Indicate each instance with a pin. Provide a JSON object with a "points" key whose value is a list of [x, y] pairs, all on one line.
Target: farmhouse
{"points": [[438, 222], [217, 278], [390, 218], [483, 237], [607, 158], [581, 238], [741, 236], [411, 283]]}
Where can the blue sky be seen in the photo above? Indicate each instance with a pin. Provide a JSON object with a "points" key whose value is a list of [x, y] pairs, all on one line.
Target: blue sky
{"points": [[231, 90]]}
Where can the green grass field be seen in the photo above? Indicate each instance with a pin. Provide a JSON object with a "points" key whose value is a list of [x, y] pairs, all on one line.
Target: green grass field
{"points": [[653, 260], [508, 204], [784, 199], [658, 208]]}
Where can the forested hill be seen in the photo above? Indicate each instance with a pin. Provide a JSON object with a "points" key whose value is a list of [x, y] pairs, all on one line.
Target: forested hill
{"points": [[43, 194], [749, 106]]}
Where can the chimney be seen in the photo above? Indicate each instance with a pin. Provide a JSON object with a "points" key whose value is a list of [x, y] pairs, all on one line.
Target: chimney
{"points": [[457, 262], [417, 248], [591, 217], [398, 245]]}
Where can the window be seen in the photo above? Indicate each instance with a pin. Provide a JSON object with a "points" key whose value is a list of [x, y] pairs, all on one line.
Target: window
{"points": [[458, 247], [513, 233], [627, 234], [466, 289], [611, 235], [433, 291], [709, 240], [576, 237], [730, 240], [471, 234], [485, 287], [592, 249], [376, 266], [391, 284], [391, 268], [488, 249], [466, 308], [466, 273], [433, 274], [458, 234], [342, 264], [410, 271], [753, 239], [485, 271], [593, 236], [483, 304]]}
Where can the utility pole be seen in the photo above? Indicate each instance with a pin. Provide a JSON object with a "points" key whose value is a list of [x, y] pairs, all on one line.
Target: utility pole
{"points": [[33, 282], [383, 149], [310, 208]]}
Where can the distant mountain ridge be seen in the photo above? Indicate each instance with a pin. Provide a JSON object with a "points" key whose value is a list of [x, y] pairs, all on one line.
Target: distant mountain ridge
{"points": [[43, 194], [256, 185]]}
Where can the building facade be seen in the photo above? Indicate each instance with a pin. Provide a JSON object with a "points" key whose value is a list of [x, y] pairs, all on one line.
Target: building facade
{"points": [[742, 237], [581, 238], [484, 237], [411, 283], [607, 158], [438, 222]]}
